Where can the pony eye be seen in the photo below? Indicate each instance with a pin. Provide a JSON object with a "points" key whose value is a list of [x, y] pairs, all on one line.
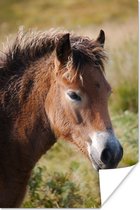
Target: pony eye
{"points": [[74, 96]]}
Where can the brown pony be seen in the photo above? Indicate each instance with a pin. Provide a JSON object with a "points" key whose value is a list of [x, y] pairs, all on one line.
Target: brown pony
{"points": [[52, 86]]}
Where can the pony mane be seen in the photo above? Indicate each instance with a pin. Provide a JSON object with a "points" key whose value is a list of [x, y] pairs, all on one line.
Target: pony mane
{"points": [[29, 46]]}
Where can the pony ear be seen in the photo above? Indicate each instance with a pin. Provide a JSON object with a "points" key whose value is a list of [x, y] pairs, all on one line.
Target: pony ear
{"points": [[63, 49], [101, 38]]}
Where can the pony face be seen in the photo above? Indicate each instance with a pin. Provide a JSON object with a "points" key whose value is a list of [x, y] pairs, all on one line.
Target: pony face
{"points": [[80, 94]]}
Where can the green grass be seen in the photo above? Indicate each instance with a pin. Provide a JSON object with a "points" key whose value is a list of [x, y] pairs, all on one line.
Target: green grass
{"points": [[126, 96], [56, 191], [123, 76], [67, 180], [126, 128]]}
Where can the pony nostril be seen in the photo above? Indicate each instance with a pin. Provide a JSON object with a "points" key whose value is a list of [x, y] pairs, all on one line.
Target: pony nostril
{"points": [[106, 156]]}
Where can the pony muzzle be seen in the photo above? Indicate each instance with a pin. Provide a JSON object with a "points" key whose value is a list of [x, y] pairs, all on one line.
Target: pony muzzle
{"points": [[104, 150]]}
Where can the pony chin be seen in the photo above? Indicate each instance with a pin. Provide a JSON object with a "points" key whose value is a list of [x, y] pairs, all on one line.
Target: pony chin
{"points": [[93, 162]]}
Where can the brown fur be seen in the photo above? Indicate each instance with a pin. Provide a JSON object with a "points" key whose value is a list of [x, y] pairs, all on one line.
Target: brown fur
{"points": [[33, 113]]}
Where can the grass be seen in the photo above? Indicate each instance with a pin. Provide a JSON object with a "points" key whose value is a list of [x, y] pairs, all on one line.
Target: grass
{"points": [[56, 191], [126, 128], [69, 13], [123, 76], [67, 177]]}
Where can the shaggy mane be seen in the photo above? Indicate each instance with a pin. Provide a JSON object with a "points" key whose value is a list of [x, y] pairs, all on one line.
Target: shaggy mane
{"points": [[29, 46]]}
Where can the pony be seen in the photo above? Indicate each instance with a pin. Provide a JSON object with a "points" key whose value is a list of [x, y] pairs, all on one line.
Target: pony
{"points": [[52, 86]]}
